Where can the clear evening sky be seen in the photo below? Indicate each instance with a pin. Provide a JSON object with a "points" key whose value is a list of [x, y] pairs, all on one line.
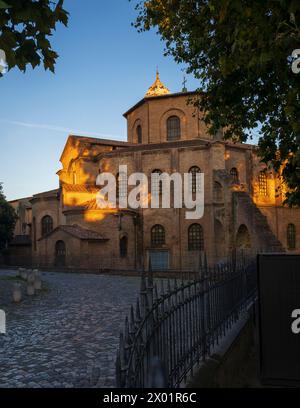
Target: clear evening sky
{"points": [[104, 68]]}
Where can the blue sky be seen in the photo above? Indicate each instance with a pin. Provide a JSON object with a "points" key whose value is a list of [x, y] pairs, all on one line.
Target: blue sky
{"points": [[104, 68]]}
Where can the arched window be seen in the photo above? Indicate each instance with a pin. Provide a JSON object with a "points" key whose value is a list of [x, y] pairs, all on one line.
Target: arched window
{"points": [[156, 186], [158, 236], [195, 186], [262, 183], [123, 247], [47, 225], [121, 185], [173, 128], [291, 236], [195, 238], [139, 134], [234, 175], [60, 253], [243, 239], [218, 192]]}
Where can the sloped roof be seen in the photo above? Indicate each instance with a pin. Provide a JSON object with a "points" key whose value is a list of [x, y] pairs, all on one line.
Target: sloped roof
{"points": [[78, 232], [147, 99], [80, 188], [75, 140], [46, 194], [90, 205]]}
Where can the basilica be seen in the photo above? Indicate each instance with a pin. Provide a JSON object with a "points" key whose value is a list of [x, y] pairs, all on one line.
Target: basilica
{"points": [[65, 229]]}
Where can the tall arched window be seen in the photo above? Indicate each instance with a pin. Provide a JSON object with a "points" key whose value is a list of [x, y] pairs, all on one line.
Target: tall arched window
{"points": [[262, 183], [291, 236], [195, 186], [139, 134], [156, 187], [234, 175], [195, 238], [173, 128], [47, 225], [158, 236], [123, 247], [218, 192]]}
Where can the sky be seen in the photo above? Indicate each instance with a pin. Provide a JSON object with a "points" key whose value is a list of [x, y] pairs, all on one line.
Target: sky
{"points": [[105, 67]]}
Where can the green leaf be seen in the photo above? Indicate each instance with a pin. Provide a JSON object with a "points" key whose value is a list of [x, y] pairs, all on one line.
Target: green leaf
{"points": [[4, 5]]}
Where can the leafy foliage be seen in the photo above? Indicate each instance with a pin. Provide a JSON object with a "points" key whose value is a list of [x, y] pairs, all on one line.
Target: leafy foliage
{"points": [[8, 219], [25, 28], [240, 50]]}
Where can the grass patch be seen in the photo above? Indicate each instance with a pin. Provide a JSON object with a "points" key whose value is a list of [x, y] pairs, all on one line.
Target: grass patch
{"points": [[12, 278]]}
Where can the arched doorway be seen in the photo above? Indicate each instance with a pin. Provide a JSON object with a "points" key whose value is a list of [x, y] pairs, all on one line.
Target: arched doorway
{"points": [[60, 253], [243, 240]]}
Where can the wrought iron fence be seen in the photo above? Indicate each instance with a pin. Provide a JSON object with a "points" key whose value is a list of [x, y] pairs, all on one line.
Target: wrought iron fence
{"points": [[177, 325]]}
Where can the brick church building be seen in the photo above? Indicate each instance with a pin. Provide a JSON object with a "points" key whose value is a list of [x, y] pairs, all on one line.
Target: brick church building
{"points": [[244, 208]]}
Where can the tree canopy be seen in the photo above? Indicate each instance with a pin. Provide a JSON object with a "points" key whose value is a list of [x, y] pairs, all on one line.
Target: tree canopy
{"points": [[8, 219], [241, 52], [25, 28]]}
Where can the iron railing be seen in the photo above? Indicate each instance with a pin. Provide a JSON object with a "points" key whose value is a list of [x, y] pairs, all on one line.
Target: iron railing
{"points": [[176, 326]]}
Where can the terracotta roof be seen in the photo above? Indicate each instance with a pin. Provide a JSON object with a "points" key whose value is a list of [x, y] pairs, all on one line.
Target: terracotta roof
{"points": [[172, 95], [80, 188], [78, 232], [95, 140], [90, 205], [74, 140], [45, 195]]}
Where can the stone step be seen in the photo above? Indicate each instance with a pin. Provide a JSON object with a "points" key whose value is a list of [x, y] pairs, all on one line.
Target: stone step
{"points": [[260, 221]]}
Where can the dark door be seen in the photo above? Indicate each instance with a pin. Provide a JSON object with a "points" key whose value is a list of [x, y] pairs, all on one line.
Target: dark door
{"points": [[279, 306], [60, 253]]}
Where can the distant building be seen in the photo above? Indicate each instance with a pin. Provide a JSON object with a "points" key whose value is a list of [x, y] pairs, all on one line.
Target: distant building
{"points": [[243, 200]]}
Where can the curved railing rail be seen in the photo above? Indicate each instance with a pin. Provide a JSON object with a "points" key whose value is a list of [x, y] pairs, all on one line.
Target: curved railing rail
{"points": [[176, 325]]}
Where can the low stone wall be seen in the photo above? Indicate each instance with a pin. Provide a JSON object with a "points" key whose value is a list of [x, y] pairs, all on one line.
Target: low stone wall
{"points": [[225, 367]]}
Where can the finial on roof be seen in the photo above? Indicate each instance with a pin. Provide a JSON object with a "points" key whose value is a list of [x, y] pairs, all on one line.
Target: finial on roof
{"points": [[157, 88]]}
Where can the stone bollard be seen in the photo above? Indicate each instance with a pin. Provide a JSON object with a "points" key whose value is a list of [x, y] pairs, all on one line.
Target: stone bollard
{"points": [[24, 274], [37, 280], [31, 277], [30, 289], [38, 284], [17, 293], [30, 284]]}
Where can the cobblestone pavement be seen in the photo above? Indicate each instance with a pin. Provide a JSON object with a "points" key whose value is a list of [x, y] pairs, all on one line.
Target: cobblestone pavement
{"points": [[67, 335]]}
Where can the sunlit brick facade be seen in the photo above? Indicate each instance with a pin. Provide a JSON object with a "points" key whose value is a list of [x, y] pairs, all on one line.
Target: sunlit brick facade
{"points": [[243, 200]]}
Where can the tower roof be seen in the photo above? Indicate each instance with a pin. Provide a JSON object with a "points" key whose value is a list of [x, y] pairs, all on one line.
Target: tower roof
{"points": [[157, 88]]}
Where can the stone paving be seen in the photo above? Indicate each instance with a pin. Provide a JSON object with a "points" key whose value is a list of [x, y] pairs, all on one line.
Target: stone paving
{"points": [[67, 335]]}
